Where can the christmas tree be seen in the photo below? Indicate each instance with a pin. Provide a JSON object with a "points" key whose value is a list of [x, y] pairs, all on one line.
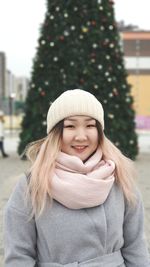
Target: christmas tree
{"points": [[79, 47]]}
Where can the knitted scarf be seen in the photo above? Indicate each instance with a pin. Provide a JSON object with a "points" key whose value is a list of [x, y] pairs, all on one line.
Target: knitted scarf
{"points": [[78, 185]]}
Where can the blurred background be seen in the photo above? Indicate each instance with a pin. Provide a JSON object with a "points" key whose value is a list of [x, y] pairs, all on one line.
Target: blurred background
{"points": [[20, 24]]}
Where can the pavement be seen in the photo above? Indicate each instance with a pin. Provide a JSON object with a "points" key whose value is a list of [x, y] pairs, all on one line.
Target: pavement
{"points": [[12, 167]]}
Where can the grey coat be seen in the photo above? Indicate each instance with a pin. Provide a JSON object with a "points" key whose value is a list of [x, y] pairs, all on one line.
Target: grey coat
{"points": [[109, 235]]}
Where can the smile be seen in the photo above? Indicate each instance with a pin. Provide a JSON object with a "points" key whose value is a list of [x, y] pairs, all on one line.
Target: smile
{"points": [[79, 148]]}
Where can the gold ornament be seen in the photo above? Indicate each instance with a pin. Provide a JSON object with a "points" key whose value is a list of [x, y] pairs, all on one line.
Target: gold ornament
{"points": [[84, 29]]}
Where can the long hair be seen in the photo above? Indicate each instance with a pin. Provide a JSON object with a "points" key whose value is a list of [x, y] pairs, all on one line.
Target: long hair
{"points": [[43, 154], [125, 172]]}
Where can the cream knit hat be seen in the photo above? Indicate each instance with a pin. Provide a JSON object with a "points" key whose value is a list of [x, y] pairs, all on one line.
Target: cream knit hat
{"points": [[72, 103]]}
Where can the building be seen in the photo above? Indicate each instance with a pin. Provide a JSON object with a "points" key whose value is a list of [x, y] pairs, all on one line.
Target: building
{"points": [[21, 89], [2, 77], [136, 47]]}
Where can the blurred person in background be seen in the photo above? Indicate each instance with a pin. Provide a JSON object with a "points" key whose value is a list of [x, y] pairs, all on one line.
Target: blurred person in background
{"points": [[2, 134]]}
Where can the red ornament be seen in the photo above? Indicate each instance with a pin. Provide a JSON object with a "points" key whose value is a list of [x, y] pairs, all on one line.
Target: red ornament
{"points": [[104, 19], [115, 92], [81, 81], [62, 38], [105, 43], [93, 22], [93, 55], [42, 93]]}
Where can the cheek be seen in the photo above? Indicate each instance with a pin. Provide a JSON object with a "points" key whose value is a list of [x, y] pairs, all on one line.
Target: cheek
{"points": [[94, 136], [66, 137]]}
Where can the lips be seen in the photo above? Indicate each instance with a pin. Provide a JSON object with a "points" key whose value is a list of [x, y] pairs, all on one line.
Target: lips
{"points": [[79, 148]]}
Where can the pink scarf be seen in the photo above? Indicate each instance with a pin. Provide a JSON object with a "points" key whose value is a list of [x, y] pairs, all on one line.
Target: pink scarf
{"points": [[78, 185]]}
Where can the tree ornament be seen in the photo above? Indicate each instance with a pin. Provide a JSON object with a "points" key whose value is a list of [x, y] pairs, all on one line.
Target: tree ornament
{"points": [[115, 91], [72, 27], [84, 29], [96, 86], [111, 116], [66, 33], [42, 93], [41, 65], [71, 63], [84, 71], [65, 15], [107, 57], [46, 83], [128, 100], [43, 42], [52, 44], [55, 59], [107, 73], [81, 81], [75, 8], [111, 45], [94, 45], [131, 142], [62, 38], [111, 27], [102, 28], [99, 67], [33, 85], [93, 55], [100, 8], [109, 80], [93, 22], [44, 123], [51, 17], [117, 143], [57, 8], [110, 95], [93, 60], [81, 36], [99, 1], [117, 106]]}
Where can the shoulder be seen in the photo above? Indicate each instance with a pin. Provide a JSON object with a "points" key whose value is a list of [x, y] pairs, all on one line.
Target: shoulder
{"points": [[18, 199], [117, 195]]}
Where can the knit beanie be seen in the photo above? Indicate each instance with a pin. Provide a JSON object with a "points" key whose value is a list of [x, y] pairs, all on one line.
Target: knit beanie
{"points": [[72, 103]]}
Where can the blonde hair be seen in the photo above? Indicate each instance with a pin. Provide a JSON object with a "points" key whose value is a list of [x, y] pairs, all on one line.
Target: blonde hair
{"points": [[43, 154]]}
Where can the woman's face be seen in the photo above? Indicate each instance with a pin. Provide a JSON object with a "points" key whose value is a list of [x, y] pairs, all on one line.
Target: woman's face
{"points": [[80, 136]]}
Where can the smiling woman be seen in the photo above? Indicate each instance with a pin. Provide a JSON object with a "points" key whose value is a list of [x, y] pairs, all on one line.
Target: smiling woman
{"points": [[78, 206], [80, 136]]}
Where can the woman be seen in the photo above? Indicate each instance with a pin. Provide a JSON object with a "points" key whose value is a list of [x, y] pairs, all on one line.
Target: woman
{"points": [[79, 205], [4, 155]]}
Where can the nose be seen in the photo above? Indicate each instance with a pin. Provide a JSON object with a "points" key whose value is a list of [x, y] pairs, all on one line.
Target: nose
{"points": [[81, 135]]}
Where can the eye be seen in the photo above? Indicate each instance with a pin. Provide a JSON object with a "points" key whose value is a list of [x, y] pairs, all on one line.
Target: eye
{"points": [[69, 126], [91, 125]]}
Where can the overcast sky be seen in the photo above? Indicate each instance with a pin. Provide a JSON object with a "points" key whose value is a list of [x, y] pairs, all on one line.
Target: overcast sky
{"points": [[20, 22]]}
